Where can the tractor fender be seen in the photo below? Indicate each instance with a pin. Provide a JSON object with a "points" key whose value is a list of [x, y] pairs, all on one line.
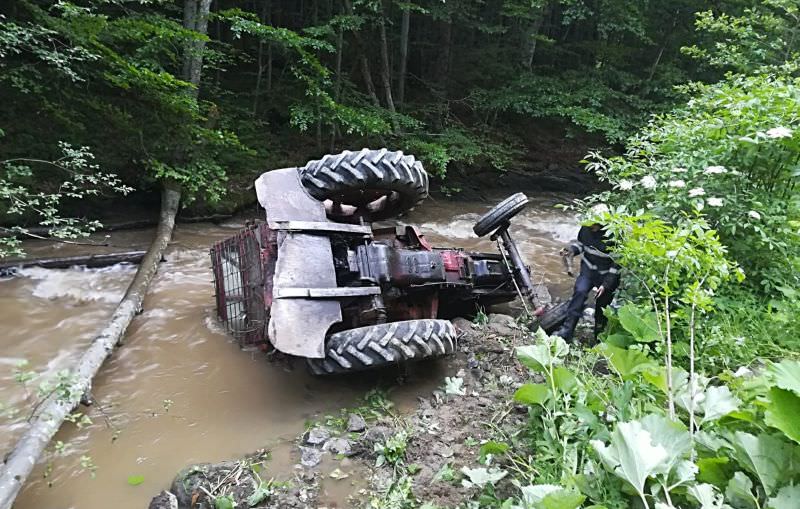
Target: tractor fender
{"points": [[298, 325]]}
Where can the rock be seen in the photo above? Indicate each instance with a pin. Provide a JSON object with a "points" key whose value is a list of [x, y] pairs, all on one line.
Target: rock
{"points": [[339, 445], [317, 436], [462, 325], [310, 457], [164, 500], [375, 435], [442, 450], [356, 423], [502, 325], [187, 481]]}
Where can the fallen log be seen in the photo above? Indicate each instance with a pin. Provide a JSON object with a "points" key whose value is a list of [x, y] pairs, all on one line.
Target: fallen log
{"points": [[43, 231], [64, 262], [47, 419]]}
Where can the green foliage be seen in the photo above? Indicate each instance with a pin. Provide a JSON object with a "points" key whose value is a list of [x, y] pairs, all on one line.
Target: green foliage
{"points": [[393, 450], [763, 38], [78, 178], [729, 156], [736, 457], [135, 480]]}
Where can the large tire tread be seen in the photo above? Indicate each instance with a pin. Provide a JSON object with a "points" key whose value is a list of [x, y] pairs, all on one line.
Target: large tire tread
{"points": [[500, 214], [379, 345], [368, 170]]}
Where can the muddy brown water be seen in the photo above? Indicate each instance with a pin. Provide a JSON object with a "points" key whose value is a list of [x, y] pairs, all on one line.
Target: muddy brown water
{"points": [[225, 402]]}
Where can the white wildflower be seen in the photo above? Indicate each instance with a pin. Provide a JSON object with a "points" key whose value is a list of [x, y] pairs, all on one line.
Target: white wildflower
{"points": [[600, 209], [677, 183], [679, 170], [625, 185], [712, 170], [743, 371], [715, 202], [697, 191], [779, 132], [699, 205], [648, 182], [754, 215]]}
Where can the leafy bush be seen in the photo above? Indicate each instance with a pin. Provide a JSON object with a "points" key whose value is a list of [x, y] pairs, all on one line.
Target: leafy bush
{"points": [[607, 440], [730, 155]]}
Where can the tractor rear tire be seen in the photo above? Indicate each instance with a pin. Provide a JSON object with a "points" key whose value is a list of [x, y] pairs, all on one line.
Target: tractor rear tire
{"points": [[500, 214], [375, 184], [379, 345]]}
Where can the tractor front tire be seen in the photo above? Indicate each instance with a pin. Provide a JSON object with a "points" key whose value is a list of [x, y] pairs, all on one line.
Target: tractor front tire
{"points": [[500, 214], [379, 345], [374, 184]]}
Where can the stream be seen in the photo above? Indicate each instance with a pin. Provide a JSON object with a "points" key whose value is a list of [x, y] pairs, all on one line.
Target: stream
{"points": [[225, 402]]}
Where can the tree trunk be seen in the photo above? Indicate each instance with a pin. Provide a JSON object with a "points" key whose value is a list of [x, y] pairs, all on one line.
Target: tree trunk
{"points": [[366, 74], [196, 58], [189, 17], [441, 72], [533, 34], [47, 420], [401, 83], [65, 262], [386, 73], [443, 61], [260, 59], [337, 87]]}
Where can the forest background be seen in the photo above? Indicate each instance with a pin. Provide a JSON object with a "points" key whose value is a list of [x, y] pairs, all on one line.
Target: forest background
{"points": [[689, 112]]}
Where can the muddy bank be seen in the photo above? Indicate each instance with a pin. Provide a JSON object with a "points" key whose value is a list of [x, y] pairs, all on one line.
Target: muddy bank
{"points": [[374, 455]]}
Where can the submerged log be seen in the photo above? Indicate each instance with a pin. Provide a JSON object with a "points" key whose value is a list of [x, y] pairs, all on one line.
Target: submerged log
{"points": [[43, 231], [47, 419], [64, 262]]}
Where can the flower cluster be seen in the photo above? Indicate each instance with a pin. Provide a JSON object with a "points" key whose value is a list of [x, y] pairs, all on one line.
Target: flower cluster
{"points": [[779, 132]]}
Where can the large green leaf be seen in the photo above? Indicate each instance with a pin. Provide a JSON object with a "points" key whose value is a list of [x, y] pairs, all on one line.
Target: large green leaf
{"points": [[626, 362], [718, 402], [707, 496], [765, 456], [783, 412], [739, 492], [564, 379], [491, 448], [550, 496], [716, 471], [481, 476], [549, 351], [562, 499], [532, 394], [788, 497], [641, 323], [631, 454], [786, 375], [671, 435]]}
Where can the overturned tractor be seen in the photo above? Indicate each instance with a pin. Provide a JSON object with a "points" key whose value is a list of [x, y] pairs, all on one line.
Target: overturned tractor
{"points": [[318, 281]]}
